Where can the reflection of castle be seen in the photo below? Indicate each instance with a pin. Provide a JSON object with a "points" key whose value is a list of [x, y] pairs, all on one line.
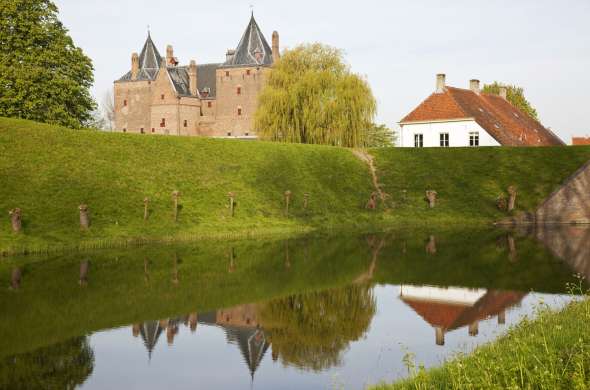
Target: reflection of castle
{"points": [[447, 309], [239, 324]]}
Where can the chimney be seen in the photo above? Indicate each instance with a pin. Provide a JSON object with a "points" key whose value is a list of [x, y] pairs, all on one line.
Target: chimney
{"points": [[134, 66], [440, 82], [169, 54], [192, 75], [440, 335], [275, 47], [229, 55], [503, 92], [474, 85]]}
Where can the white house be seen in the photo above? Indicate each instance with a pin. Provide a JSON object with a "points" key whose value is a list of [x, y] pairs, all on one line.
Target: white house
{"points": [[453, 117]]}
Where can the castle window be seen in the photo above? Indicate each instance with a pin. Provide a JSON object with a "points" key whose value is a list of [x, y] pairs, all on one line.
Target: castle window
{"points": [[163, 123], [229, 134], [141, 130], [239, 91], [153, 130], [239, 111], [125, 103], [248, 72], [209, 104], [124, 130], [162, 96], [226, 73], [246, 134], [185, 123]]}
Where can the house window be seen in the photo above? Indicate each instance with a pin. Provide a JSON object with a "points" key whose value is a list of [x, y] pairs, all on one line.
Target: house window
{"points": [[124, 103], [162, 96], [185, 123], [418, 140], [239, 111], [444, 140], [209, 104], [239, 91], [141, 130], [163, 122], [474, 138]]}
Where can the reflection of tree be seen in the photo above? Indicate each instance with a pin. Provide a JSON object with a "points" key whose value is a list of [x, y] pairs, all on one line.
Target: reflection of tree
{"points": [[62, 366], [311, 330]]}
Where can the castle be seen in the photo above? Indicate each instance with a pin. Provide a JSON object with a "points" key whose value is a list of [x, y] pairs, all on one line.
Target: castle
{"points": [[158, 96]]}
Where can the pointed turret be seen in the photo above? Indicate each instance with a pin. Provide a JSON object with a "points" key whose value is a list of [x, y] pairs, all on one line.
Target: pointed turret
{"points": [[146, 65], [253, 48]]}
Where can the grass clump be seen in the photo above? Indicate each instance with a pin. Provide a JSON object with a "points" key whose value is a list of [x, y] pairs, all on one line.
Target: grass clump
{"points": [[551, 351]]}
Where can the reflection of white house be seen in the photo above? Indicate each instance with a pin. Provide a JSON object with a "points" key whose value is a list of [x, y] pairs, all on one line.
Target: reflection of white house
{"points": [[453, 117], [450, 308]]}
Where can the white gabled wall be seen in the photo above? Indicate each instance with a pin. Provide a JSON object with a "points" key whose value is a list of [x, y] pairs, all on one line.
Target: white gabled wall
{"points": [[458, 133]]}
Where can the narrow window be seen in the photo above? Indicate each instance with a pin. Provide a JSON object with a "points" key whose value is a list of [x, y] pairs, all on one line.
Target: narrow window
{"points": [[185, 123], [124, 130], [163, 123], [141, 130], [125, 103], [209, 104], [239, 111], [418, 140], [474, 138], [162, 96], [239, 90], [229, 134], [248, 72], [153, 130], [226, 73], [444, 140]]}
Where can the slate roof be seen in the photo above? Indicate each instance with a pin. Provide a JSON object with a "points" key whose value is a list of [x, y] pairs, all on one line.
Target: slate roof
{"points": [[252, 41], [205, 79], [504, 122], [149, 62]]}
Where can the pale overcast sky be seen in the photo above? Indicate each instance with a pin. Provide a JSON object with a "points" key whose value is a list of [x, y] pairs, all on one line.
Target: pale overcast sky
{"points": [[541, 45]]}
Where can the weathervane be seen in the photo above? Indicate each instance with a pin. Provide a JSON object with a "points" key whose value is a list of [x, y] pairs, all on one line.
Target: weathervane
{"points": [[252, 9]]}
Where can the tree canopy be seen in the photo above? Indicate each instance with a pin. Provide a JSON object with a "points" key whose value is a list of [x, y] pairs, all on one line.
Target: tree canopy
{"points": [[313, 97], [43, 75], [514, 95]]}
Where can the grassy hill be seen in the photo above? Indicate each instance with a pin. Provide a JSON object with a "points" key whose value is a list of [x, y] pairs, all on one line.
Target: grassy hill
{"points": [[49, 171]]}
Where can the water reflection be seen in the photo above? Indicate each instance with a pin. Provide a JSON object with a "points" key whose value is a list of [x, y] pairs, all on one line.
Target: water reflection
{"points": [[304, 308]]}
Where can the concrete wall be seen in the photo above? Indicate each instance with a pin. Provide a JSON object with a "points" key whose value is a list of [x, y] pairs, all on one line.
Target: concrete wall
{"points": [[458, 134], [570, 203]]}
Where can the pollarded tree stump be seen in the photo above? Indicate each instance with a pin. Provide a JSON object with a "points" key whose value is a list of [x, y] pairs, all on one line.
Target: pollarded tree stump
{"points": [[431, 245], [431, 196], [16, 220], [146, 203], [372, 203], [84, 217], [15, 278], [512, 199], [305, 200]]}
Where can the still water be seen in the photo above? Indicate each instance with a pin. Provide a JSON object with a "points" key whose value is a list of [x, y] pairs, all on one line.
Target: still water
{"points": [[310, 313]]}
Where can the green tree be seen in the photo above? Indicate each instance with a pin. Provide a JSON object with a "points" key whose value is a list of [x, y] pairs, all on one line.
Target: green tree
{"points": [[514, 95], [313, 97], [43, 75], [380, 136]]}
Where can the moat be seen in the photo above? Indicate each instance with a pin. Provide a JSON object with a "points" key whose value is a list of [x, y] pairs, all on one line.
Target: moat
{"points": [[313, 312]]}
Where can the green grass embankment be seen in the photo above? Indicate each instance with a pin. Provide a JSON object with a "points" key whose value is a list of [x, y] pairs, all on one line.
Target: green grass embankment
{"points": [[49, 171], [549, 352]]}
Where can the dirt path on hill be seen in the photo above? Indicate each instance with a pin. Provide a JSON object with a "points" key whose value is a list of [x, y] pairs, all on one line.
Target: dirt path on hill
{"points": [[364, 156]]}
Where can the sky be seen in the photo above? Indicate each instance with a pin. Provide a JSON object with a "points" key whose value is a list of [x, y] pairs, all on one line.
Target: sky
{"points": [[399, 46]]}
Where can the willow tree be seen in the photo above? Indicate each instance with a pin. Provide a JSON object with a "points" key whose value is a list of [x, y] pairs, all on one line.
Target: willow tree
{"points": [[312, 97]]}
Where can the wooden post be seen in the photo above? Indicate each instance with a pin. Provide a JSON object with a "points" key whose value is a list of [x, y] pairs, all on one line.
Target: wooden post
{"points": [[305, 200], [431, 245], [175, 195], [231, 196], [232, 261], [512, 199], [146, 202], [84, 217], [431, 197], [16, 220], [287, 201]]}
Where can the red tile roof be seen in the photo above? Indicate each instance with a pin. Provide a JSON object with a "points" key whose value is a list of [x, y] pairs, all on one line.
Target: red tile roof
{"points": [[580, 140], [450, 316], [504, 122]]}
